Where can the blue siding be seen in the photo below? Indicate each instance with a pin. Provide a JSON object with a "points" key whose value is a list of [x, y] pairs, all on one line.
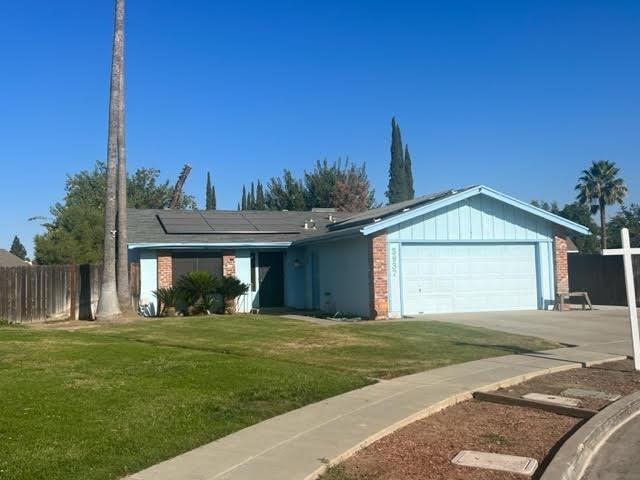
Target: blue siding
{"points": [[295, 266], [342, 276], [148, 278], [243, 273], [480, 218], [477, 218]]}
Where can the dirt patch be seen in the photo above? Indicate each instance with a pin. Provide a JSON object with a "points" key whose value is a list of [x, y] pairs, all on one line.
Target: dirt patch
{"points": [[423, 450], [617, 378]]}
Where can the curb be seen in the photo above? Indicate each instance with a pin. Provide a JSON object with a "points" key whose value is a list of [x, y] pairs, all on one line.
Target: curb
{"points": [[573, 458], [448, 402]]}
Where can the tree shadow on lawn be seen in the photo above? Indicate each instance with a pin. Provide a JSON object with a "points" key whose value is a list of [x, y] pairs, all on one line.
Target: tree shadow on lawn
{"points": [[516, 350], [508, 349]]}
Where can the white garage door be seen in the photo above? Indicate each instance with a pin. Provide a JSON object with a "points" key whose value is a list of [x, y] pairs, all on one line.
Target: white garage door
{"points": [[468, 278]]}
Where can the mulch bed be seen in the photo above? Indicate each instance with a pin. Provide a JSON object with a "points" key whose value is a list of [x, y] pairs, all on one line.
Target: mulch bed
{"points": [[424, 449]]}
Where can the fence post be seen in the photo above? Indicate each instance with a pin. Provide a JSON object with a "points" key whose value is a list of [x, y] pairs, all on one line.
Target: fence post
{"points": [[71, 291]]}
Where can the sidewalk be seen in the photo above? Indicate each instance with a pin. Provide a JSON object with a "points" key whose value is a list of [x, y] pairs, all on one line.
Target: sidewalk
{"points": [[297, 445]]}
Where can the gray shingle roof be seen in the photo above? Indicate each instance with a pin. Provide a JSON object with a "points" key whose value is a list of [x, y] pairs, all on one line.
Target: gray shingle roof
{"points": [[389, 210], [256, 226], [218, 226], [8, 259]]}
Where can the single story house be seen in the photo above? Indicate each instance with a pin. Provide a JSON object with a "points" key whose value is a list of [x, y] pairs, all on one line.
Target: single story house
{"points": [[472, 249]]}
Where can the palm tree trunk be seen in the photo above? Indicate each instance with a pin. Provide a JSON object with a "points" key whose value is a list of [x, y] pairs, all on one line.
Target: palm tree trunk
{"points": [[124, 293], [108, 301], [603, 226]]}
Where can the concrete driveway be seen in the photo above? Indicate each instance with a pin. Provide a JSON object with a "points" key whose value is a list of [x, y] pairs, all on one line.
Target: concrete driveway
{"points": [[604, 329]]}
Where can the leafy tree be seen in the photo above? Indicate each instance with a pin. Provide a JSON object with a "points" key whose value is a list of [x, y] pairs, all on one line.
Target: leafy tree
{"points": [[578, 213], [353, 192], [599, 186], [549, 207], [408, 173], [320, 184], [18, 249], [285, 193], [397, 189], [75, 232], [627, 217]]}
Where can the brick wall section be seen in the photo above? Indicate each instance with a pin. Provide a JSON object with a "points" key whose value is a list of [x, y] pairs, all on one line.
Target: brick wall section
{"points": [[560, 263], [378, 292], [165, 266], [229, 263]]}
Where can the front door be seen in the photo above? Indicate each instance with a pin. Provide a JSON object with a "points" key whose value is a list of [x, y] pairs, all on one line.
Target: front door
{"points": [[271, 278]]}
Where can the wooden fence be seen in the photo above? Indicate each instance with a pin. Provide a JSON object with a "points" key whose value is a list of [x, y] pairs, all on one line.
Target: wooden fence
{"points": [[602, 277], [51, 292]]}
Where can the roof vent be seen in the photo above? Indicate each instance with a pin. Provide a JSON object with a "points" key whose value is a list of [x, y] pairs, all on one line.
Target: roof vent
{"points": [[310, 224]]}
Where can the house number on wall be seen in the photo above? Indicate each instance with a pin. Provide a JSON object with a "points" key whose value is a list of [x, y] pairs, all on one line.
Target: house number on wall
{"points": [[394, 261]]}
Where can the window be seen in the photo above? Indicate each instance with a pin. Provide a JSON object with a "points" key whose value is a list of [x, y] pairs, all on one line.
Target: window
{"points": [[185, 262]]}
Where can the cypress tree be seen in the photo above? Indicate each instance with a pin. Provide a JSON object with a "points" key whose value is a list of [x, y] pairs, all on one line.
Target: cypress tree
{"points": [[408, 173], [214, 202], [252, 197], [18, 249], [208, 193], [244, 198], [260, 205], [238, 206], [397, 189]]}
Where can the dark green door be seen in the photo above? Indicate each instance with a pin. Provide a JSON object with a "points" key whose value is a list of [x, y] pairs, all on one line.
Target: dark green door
{"points": [[271, 275]]}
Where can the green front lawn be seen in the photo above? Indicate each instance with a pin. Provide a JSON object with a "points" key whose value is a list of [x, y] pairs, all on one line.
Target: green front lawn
{"points": [[98, 403]]}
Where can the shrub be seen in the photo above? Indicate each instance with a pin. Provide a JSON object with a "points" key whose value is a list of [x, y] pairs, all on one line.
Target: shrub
{"points": [[168, 298], [197, 290], [231, 288]]}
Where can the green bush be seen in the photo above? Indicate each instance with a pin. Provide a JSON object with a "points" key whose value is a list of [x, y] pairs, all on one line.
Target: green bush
{"points": [[231, 288], [168, 298], [197, 290]]}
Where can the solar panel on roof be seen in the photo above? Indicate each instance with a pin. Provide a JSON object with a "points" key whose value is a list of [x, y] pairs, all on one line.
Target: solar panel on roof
{"points": [[184, 223], [194, 222]]}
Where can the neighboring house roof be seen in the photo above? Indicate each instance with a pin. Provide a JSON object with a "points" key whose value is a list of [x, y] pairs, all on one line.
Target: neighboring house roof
{"points": [[8, 259], [571, 246], [281, 228]]}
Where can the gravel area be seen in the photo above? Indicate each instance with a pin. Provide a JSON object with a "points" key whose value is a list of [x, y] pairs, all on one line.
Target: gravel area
{"points": [[424, 449]]}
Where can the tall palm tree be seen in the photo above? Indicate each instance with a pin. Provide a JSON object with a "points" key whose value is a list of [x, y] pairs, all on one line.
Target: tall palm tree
{"points": [[599, 186], [108, 301], [122, 270]]}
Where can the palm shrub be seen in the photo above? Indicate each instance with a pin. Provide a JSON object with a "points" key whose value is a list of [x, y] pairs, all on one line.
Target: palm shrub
{"points": [[168, 299], [231, 288], [197, 290]]}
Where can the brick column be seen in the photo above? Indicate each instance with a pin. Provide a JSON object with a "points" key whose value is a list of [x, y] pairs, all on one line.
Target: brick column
{"points": [[560, 263], [379, 306], [229, 263], [165, 270]]}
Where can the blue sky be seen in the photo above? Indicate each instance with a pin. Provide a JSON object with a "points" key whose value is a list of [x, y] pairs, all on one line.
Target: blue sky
{"points": [[517, 95]]}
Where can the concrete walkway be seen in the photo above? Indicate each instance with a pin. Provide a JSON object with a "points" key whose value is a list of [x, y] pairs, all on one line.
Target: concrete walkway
{"points": [[576, 327], [298, 444]]}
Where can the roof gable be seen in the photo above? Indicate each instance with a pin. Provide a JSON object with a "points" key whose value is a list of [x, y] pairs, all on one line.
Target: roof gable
{"points": [[407, 214]]}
